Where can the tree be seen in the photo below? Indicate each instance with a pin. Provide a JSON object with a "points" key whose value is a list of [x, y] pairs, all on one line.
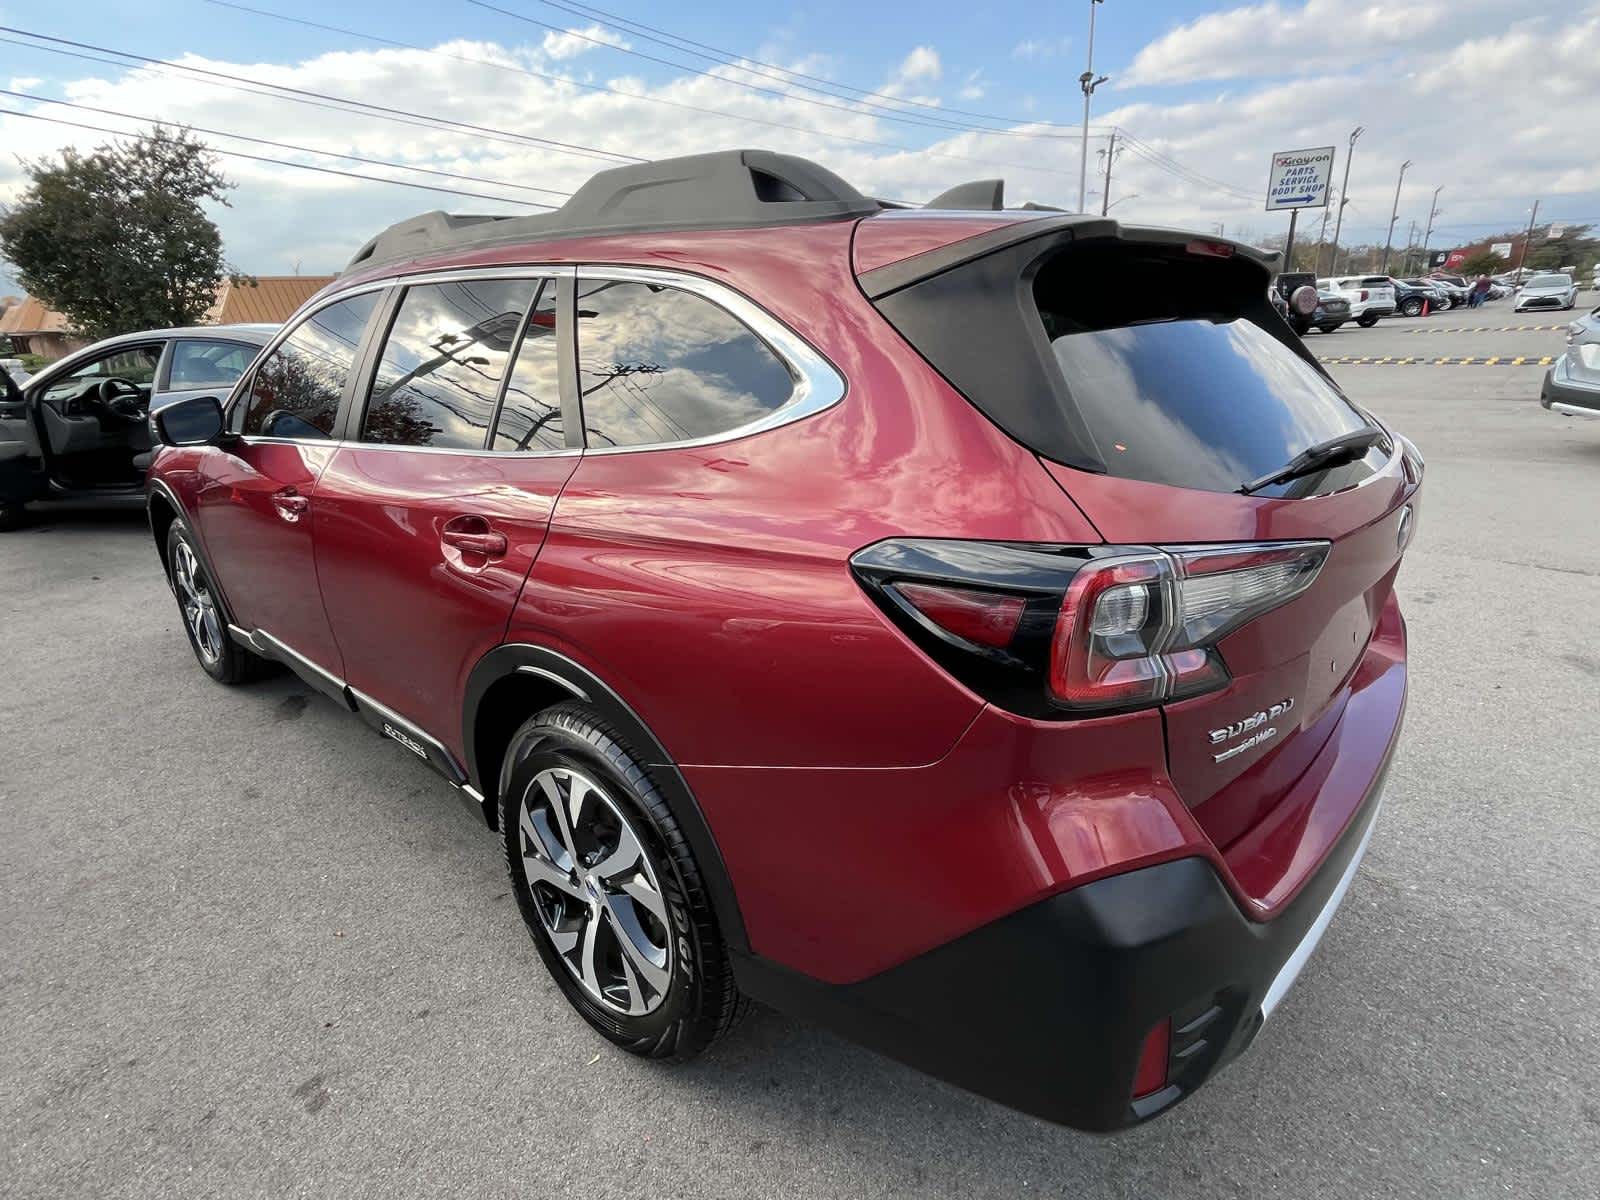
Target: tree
{"points": [[1484, 262], [116, 239]]}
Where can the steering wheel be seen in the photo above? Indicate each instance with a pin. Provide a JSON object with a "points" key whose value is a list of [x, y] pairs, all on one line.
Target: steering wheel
{"points": [[121, 397]]}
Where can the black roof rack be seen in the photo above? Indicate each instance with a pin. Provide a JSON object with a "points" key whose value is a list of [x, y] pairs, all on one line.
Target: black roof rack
{"points": [[730, 189]]}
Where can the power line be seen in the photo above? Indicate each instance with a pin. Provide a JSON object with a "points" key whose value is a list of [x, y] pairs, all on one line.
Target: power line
{"points": [[248, 90], [882, 112], [279, 162], [886, 113], [550, 143], [260, 141], [768, 70], [563, 80]]}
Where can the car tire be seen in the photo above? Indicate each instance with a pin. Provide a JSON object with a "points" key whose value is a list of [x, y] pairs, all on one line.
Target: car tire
{"points": [[1412, 307], [1299, 328], [611, 893], [12, 517], [1366, 320], [204, 623], [1327, 328]]}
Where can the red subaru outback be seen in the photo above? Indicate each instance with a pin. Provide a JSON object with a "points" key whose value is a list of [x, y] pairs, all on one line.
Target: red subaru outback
{"points": [[972, 629]]}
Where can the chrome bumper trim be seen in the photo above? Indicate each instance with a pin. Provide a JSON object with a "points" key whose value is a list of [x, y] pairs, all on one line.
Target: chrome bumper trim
{"points": [[1290, 971]]}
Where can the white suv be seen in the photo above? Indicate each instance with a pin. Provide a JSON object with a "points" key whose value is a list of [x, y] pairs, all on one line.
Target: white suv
{"points": [[1370, 296]]}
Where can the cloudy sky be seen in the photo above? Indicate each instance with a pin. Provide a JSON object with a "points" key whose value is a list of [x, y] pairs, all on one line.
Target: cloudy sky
{"points": [[1497, 101]]}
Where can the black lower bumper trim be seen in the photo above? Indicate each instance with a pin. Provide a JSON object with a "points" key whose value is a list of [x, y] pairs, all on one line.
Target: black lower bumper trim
{"points": [[1047, 1010]]}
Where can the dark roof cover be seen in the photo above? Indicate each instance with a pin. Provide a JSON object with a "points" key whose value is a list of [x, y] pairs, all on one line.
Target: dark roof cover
{"points": [[731, 189]]}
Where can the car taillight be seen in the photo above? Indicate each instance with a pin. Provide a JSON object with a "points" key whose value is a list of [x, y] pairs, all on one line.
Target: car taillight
{"points": [[985, 618], [1142, 628], [1063, 630]]}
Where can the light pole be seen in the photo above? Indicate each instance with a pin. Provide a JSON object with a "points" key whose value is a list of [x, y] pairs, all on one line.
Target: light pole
{"points": [[1088, 83], [1433, 211], [1394, 215], [1527, 241], [1344, 198]]}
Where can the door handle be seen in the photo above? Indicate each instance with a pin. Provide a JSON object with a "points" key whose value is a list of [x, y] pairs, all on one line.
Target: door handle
{"points": [[472, 535], [291, 505]]}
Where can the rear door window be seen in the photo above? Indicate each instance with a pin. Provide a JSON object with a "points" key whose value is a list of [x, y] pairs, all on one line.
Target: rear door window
{"points": [[439, 377], [658, 364]]}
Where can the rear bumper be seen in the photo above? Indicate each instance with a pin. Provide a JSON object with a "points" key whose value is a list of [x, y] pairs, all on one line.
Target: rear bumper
{"points": [[1562, 394], [1047, 1009]]}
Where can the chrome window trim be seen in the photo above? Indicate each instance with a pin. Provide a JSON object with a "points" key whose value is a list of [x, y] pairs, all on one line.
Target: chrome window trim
{"points": [[818, 384]]}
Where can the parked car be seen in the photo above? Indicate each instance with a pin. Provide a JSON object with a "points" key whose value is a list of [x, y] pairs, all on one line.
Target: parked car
{"points": [[80, 427], [1548, 290], [1327, 313], [1410, 297], [1438, 297], [1370, 296], [1457, 291], [830, 606], [1332, 311], [1572, 384]]}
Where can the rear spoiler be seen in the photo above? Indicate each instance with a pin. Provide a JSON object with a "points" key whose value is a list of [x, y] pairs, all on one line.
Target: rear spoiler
{"points": [[883, 280]]}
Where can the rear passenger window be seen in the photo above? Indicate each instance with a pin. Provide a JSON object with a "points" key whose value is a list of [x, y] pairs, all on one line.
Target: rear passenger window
{"points": [[439, 376], [296, 390], [530, 414], [658, 364]]}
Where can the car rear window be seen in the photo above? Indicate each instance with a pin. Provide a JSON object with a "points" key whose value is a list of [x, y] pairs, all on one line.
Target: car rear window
{"points": [[1197, 403], [1140, 359]]}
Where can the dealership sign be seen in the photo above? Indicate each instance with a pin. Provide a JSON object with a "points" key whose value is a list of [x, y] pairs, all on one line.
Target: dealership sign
{"points": [[1299, 179], [1503, 249]]}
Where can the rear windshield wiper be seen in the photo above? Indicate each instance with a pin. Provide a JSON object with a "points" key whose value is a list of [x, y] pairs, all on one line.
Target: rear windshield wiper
{"points": [[1341, 449]]}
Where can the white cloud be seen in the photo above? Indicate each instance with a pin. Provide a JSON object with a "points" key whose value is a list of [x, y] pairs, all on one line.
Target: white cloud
{"points": [[1538, 135], [922, 63], [1033, 49], [573, 42], [1281, 37], [973, 87]]}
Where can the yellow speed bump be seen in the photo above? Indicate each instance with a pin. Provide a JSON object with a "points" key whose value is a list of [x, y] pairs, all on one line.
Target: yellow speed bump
{"points": [[1470, 360]]}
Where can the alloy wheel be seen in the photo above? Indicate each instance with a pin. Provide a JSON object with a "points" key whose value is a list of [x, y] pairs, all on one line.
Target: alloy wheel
{"points": [[595, 891], [199, 607]]}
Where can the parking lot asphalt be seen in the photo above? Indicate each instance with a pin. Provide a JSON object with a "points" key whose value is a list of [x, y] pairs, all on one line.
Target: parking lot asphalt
{"points": [[250, 949]]}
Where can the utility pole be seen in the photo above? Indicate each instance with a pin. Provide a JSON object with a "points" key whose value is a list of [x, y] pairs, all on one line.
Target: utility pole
{"points": [[1322, 234], [1111, 157], [1527, 241], [1088, 83], [1344, 197], [1394, 215], [1427, 237], [1411, 242]]}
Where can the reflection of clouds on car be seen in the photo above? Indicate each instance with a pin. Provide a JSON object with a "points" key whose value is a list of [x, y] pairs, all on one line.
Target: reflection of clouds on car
{"points": [[659, 364]]}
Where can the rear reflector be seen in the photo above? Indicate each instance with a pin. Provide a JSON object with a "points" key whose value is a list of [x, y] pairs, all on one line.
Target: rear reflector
{"points": [[985, 618], [1151, 1076]]}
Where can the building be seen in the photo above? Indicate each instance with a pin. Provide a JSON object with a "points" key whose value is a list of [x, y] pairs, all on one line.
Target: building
{"points": [[35, 329], [264, 299]]}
